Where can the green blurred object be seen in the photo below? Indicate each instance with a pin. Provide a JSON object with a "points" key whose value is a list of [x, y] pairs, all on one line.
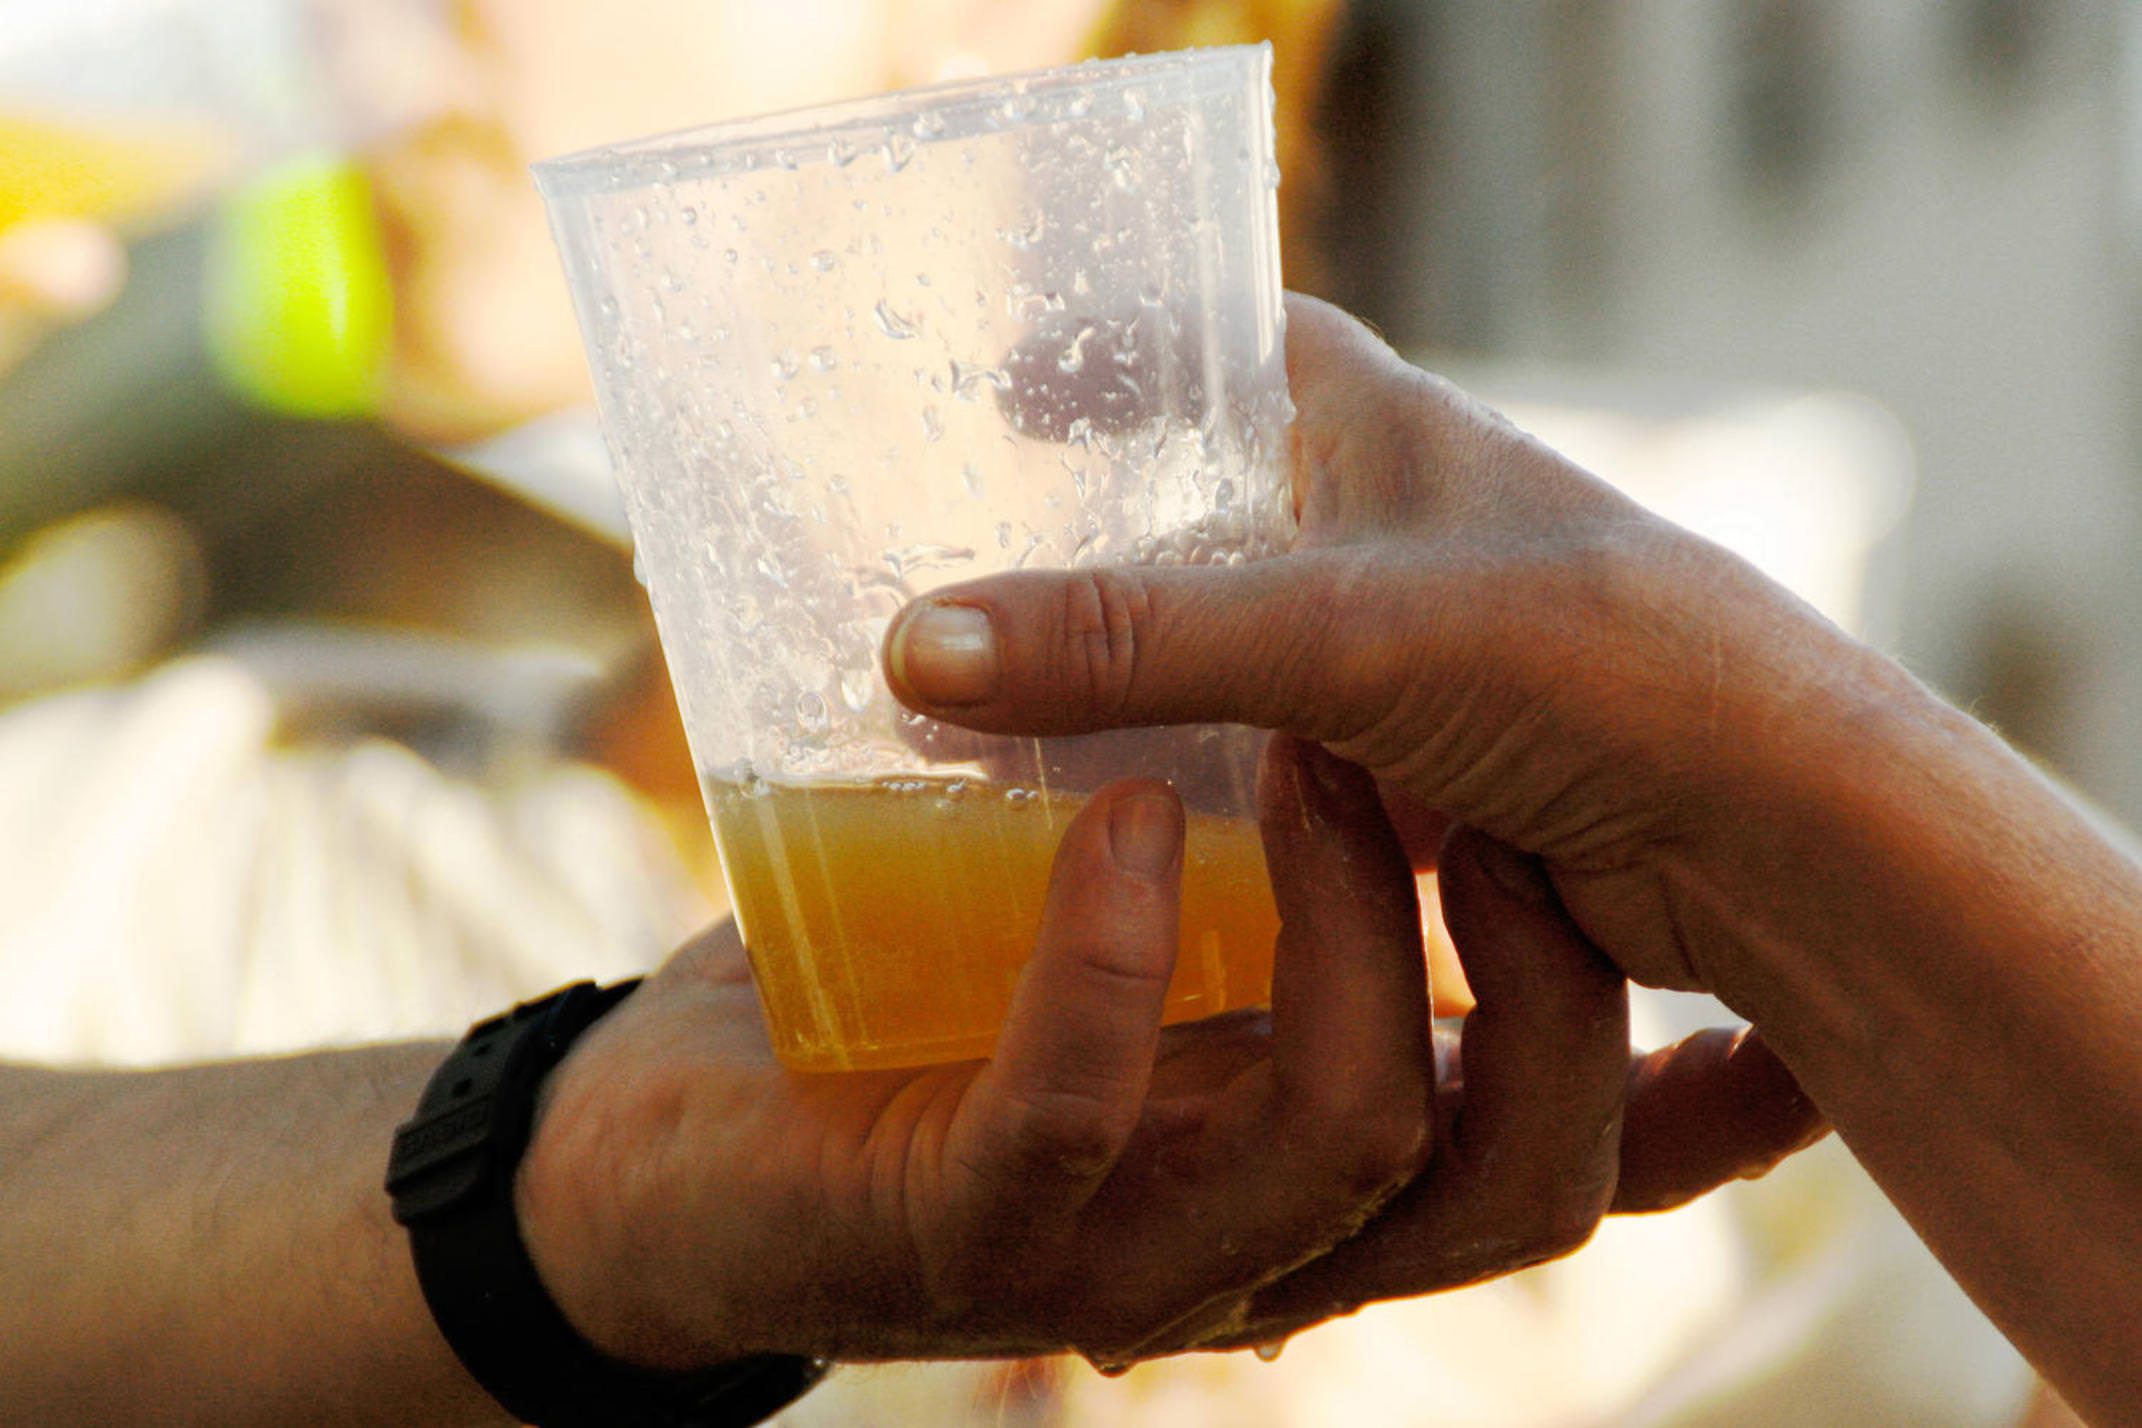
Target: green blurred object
{"points": [[299, 312]]}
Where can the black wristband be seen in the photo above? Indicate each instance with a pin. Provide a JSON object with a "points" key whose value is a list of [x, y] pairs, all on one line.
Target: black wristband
{"points": [[451, 1176]]}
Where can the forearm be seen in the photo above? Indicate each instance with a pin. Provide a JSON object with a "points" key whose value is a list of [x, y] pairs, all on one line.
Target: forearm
{"points": [[212, 1245], [1950, 960]]}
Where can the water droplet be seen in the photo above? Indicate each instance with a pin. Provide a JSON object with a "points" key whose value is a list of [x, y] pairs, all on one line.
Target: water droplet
{"points": [[925, 556], [1121, 164], [1025, 236], [824, 260], [784, 158], [1110, 1368], [891, 323], [1269, 1353], [1133, 106], [840, 152], [1073, 357], [812, 716], [857, 686], [928, 124], [823, 360], [933, 423], [970, 476], [967, 381], [689, 214], [899, 150], [729, 255], [786, 365], [1024, 798]]}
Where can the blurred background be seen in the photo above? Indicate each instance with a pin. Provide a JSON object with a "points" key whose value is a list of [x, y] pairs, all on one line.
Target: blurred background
{"points": [[330, 709]]}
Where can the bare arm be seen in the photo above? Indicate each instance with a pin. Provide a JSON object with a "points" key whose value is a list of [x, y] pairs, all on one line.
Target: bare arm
{"points": [[211, 1245]]}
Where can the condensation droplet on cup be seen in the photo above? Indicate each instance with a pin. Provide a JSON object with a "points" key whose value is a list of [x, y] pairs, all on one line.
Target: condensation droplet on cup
{"points": [[729, 255], [840, 152], [825, 260], [785, 365], [891, 323], [1121, 164], [929, 124], [933, 423], [812, 716], [899, 151], [1073, 357], [1023, 237], [823, 359], [970, 477]]}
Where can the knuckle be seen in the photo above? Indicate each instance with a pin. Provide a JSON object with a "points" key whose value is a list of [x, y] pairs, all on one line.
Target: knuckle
{"points": [[1105, 612], [1066, 1131]]}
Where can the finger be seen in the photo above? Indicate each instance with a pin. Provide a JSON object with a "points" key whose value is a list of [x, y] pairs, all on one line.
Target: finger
{"points": [[1342, 1118], [1045, 1120], [1529, 1165], [1546, 1050], [1717, 1106], [1319, 643], [1351, 1039]]}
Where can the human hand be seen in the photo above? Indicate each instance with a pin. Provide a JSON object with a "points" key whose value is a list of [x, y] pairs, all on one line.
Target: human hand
{"points": [[1493, 633], [1098, 1185], [1112, 1188]]}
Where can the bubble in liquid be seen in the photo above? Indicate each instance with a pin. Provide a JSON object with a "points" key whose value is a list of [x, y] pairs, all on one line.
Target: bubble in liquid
{"points": [[891, 323], [729, 255], [823, 359], [812, 716]]}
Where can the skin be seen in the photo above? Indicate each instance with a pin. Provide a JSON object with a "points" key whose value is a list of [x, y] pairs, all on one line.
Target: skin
{"points": [[211, 1245], [1726, 793]]}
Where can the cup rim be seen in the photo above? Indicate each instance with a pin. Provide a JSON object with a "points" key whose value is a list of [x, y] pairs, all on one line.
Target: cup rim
{"points": [[726, 146]]}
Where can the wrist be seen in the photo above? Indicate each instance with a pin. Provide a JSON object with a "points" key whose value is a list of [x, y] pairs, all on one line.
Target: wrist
{"points": [[455, 1181]]}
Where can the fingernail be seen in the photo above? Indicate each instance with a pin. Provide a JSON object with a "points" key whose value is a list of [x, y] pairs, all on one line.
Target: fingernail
{"points": [[1515, 873], [1144, 830], [945, 654]]}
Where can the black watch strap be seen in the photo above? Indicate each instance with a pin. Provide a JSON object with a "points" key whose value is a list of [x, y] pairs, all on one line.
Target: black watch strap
{"points": [[451, 1176]]}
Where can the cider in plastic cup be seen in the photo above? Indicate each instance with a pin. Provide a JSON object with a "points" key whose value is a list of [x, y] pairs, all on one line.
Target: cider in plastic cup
{"points": [[847, 356]]}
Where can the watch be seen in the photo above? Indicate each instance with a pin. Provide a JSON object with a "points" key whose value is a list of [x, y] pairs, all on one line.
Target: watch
{"points": [[451, 1177]]}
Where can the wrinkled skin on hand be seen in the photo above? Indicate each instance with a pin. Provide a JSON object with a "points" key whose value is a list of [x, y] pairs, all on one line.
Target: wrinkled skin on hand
{"points": [[1106, 1186]]}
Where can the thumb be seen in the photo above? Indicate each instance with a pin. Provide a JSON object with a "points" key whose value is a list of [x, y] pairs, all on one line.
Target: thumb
{"points": [[1299, 642]]}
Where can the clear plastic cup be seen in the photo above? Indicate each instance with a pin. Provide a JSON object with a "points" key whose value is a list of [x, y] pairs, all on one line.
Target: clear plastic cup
{"points": [[848, 355]]}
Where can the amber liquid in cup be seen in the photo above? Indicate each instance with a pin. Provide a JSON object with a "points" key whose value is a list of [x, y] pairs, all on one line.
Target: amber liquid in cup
{"points": [[898, 913]]}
